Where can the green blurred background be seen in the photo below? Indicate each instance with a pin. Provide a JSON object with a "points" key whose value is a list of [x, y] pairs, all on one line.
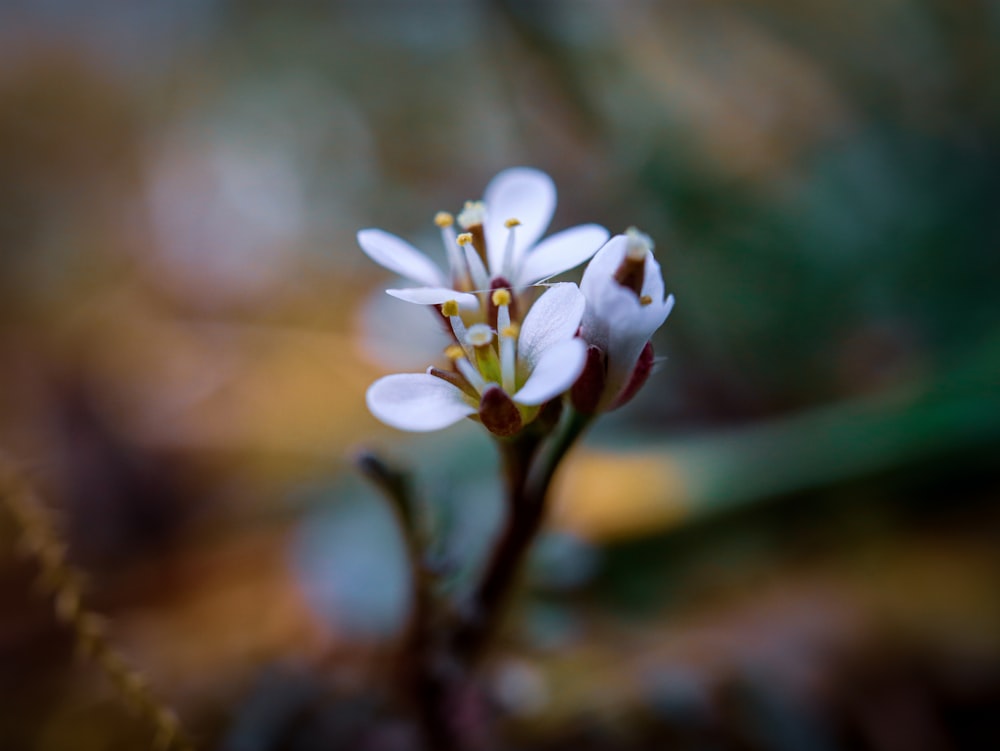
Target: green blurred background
{"points": [[790, 540]]}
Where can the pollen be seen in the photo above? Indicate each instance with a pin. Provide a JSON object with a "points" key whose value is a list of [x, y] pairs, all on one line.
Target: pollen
{"points": [[645, 300], [443, 219], [511, 332], [464, 239], [512, 222], [454, 352], [501, 297], [479, 335], [449, 308]]}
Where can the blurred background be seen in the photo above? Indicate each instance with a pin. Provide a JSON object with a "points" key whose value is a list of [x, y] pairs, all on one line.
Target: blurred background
{"points": [[790, 540]]}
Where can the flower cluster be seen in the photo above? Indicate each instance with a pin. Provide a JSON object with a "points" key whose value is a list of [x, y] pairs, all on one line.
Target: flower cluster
{"points": [[518, 342]]}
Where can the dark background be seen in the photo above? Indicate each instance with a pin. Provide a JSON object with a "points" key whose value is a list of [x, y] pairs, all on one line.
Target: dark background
{"points": [[788, 541]]}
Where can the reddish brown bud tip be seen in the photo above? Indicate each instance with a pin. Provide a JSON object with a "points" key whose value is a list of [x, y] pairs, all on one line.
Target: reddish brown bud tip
{"points": [[643, 367], [499, 413], [586, 392]]}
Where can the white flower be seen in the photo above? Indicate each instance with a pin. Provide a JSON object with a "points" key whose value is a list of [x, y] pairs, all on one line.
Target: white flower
{"points": [[503, 375], [500, 240], [623, 286]]}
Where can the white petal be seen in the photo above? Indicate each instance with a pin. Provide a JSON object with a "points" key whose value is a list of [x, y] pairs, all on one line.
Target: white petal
{"points": [[398, 255], [553, 318], [435, 296], [560, 252], [395, 336], [554, 373], [629, 332], [602, 267], [522, 193], [417, 402], [652, 282]]}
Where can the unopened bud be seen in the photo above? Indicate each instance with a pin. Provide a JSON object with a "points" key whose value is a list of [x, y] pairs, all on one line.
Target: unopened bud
{"points": [[643, 367], [589, 387], [499, 413]]}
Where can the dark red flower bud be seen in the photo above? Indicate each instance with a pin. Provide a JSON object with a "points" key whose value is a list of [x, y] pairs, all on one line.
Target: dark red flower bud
{"points": [[589, 387], [643, 367], [499, 413]]}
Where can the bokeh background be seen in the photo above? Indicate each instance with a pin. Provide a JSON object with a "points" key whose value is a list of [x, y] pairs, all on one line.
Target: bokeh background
{"points": [[790, 540]]}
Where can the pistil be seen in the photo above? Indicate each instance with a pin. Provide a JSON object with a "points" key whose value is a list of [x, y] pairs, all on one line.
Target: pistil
{"points": [[472, 218], [480, 338], [632, 272]]}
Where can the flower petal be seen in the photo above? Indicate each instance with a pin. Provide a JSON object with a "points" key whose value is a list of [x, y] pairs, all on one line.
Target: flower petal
{"points": [[553, 318], [629, 332], [556, 371], [435, 296], [395, 336], [560, 252], [603, 266], [398, 255], [525, 194], [417, 402]]}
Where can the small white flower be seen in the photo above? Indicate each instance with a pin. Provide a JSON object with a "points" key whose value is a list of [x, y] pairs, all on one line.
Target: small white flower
{"points": [[500, 239], [502, 375], [623, 286]]}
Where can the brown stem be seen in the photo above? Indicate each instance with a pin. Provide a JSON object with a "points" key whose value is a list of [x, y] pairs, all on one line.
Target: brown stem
{"points": [[529, 475]]}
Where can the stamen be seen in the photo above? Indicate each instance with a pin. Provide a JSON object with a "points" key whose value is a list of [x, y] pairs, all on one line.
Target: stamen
{"points": [[645, 300], [457, 355], [508, 352], [477, 269], [508, 252], [501, 297], [508, 343], [450, 309], [456, 258], [471, 374]]}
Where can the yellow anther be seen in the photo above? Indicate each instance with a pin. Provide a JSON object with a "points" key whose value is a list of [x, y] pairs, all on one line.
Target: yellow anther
{"points": [[501, 297], [454, 352], [443, 219], [645, 300], [512, 222], [511, 332], [450, 308], [464, 239]]}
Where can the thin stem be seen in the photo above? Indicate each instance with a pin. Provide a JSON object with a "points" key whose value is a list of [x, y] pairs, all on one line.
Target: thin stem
{"points": [[529, 476]]}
